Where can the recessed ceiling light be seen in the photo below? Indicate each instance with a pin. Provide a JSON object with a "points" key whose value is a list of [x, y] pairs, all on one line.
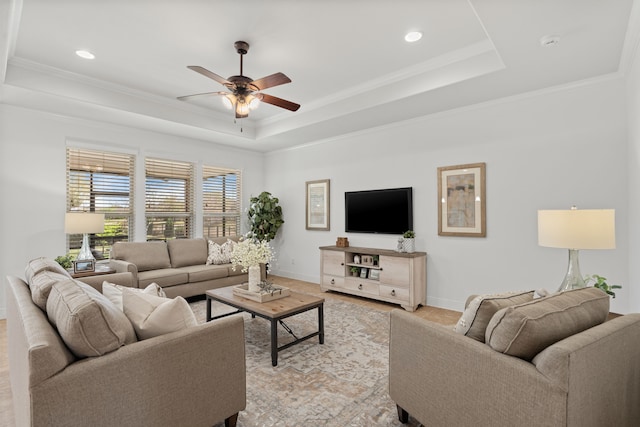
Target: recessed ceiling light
{"points": [[413, 36], [85, 54]]}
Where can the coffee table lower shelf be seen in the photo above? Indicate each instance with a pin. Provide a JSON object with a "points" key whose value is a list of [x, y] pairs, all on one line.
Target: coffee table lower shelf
{"points": [[274, 311]]}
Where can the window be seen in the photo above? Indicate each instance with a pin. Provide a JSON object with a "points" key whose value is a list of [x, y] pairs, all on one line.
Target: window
{"points": [[220, 201], [101, 182], [168, 199]]}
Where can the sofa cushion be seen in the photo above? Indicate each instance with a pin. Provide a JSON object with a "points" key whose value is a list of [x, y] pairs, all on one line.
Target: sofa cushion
{"points": [[40, 286], [113, 292], [525, 330], [89, 324], [153, 315], [200, 273], [475, 318], [163, 277], [38, 265], [145, 255], [184, 252]]}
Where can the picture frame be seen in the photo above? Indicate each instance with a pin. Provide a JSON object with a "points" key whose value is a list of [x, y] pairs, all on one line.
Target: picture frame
{"points": [[318, 205], [364, 272], [462, 200], [84, 266], [374, 274]]}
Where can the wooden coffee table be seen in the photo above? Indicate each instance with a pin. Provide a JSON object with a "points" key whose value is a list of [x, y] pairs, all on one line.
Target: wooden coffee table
{"points": [[274, 311]]}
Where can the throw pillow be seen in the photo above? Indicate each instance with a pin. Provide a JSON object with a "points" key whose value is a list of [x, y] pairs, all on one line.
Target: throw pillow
{"points": [[227, 250], [38, 265], [114, 292], [89, 324], [525, 330], [152, 315], [476, 316], [215, 254], [41, 284]]}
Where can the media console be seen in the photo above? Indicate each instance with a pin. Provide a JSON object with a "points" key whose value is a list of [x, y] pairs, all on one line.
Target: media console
{"points": [[385, 275]]}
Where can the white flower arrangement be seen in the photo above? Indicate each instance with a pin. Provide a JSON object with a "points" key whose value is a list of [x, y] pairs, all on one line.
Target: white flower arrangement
{"points": [[250, 252]]}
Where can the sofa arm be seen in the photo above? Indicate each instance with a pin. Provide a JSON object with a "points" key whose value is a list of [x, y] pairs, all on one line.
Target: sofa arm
{"points": [[443, 378], [122, 279], [191, 377], [121, 266]]}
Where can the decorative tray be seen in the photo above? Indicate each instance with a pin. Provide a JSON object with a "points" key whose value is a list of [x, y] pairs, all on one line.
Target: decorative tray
{"points": [[262, 296]]}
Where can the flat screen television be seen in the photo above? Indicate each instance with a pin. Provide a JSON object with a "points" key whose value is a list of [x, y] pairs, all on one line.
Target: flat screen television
{"points": [[388, 211]]}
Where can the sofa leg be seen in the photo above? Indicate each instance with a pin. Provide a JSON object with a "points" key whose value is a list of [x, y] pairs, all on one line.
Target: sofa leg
{"points": [[231, 421], [403, 415]]}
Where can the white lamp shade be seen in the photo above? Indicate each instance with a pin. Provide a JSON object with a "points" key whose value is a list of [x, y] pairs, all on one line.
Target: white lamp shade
{"points": [[577, 229], [83, 222]]}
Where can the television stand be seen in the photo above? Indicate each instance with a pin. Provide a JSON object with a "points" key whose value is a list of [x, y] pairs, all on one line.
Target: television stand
{"points": [[381, 274]]}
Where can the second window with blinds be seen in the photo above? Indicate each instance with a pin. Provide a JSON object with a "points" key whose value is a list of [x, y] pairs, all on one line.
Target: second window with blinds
{"points": [[220, 201]]}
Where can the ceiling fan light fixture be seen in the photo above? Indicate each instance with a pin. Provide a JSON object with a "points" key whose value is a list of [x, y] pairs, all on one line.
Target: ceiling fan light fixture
{"points": [[228, 101], [253, 102], [413, 36]]}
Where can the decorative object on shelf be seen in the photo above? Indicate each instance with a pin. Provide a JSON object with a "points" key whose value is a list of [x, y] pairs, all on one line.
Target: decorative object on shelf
{"points": [[374, 274], [318, 204], [367, 259], [376, 260], [84, 223], [65, 261], [574, 230], [462, 200], [399, 245], [601, 283], [265, 216], [342, 242], [364, 272], [249, 254], [409, 241], [84, 266], [355, 271], [262, 295], [356, 259]]}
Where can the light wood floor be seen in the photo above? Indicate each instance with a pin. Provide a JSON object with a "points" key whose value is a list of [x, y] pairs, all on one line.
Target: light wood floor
{"points": [[439, 315]]}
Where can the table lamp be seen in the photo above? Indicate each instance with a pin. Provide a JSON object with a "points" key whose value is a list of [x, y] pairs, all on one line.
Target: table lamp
{"points": [[84, 223], [574, 230]]}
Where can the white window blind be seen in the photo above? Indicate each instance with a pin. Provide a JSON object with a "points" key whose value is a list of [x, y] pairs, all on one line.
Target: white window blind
{"points": [[102, 182], [168, 199], [221, 201]]}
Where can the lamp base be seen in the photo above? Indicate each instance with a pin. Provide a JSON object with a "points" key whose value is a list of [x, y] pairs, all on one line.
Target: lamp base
{"points": [[85, 250], [573, 279]]}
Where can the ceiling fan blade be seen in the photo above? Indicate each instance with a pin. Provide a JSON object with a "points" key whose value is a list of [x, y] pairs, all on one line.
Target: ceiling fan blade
{"points": [[182, 98], [278, 102], [209, 74], [276, 79]]}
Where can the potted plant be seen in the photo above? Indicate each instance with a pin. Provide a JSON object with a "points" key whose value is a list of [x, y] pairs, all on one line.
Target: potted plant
{"points": [[355, 271], [601, 283], [409, 241], [265, 216], [65, 261]]}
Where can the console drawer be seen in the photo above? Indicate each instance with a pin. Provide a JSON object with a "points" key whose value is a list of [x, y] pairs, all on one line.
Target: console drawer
{"points": [[399, 293], [361, 286], [332, 281]]}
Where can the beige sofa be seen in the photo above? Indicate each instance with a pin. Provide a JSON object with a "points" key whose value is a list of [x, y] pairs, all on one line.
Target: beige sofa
{"points": [[590, 378], [178, 266], [194, 377]]}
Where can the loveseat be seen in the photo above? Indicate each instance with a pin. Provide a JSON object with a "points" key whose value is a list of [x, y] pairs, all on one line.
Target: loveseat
{"points": [[179, 266], [524, 373], [194, 376]]}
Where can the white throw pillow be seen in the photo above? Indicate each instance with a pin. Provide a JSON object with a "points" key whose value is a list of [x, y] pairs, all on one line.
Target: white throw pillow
{"points": [[114, 292], [215, 254], [152, 315], [227, 250]]}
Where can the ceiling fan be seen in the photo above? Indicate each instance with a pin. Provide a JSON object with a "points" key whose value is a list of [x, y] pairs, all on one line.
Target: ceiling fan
{"points": [[245, 92]]}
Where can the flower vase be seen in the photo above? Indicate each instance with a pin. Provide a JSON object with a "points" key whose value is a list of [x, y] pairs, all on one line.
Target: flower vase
{"points": [[254, 278]]}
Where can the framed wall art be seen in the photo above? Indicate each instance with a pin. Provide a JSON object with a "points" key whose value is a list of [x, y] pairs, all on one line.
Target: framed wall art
{"points": [[462, 200], [317, 210]]}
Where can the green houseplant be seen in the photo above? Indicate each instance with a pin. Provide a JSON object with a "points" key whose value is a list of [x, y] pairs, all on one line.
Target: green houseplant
{"points": [[65, 261], [409, 241], [601, 283], [355, 271], [265, 216]]}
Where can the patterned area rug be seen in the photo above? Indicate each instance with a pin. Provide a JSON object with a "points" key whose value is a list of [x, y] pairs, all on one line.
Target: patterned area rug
{"points": [[343, 382]]}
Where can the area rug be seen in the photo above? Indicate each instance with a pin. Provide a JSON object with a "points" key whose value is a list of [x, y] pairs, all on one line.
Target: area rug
{"points": [[343, 382]]}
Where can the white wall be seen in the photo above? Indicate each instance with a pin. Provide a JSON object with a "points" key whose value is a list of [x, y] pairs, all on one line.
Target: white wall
{"points": [[633, 112], [32, 176], [549, 150]]}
